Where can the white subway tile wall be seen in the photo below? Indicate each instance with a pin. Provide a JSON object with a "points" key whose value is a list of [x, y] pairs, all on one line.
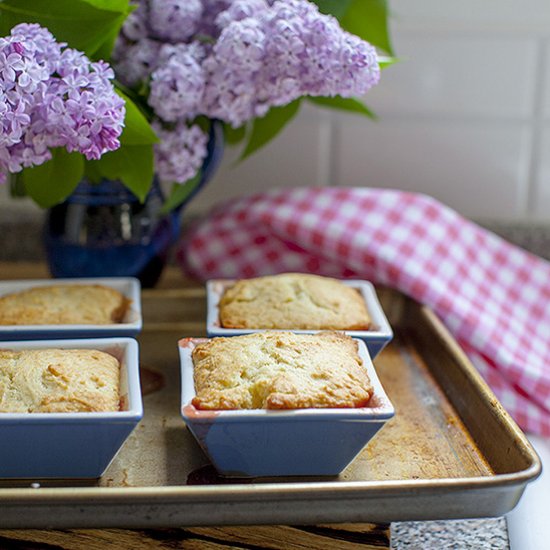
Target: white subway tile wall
{"points": [[464, 117]]}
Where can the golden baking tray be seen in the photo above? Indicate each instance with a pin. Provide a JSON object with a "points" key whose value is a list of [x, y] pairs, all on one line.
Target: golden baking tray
{"points": [[451, 451]]}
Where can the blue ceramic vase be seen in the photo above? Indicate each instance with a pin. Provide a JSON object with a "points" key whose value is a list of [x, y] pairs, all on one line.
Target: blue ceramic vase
{"points": [[103, 230]]}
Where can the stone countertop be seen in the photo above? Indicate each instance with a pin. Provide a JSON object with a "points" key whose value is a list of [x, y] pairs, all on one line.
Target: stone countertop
{"points": [[481, 534], [22, 241]]}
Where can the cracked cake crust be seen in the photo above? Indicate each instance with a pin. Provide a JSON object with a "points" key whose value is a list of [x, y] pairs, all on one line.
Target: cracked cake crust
{"points": [[280, 370], [293, 301]]}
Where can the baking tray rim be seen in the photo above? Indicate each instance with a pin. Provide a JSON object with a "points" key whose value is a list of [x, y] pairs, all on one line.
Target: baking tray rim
{"points": [[287, 490]]}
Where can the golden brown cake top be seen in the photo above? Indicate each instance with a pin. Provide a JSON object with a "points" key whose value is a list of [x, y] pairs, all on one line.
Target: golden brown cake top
{"points": [[280, 370], [58, 380], [64, 304], [293, 301]]}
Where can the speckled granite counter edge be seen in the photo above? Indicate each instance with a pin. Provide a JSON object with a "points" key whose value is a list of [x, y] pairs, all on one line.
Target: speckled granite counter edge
{"points": [[22, 240], [478, 534]]}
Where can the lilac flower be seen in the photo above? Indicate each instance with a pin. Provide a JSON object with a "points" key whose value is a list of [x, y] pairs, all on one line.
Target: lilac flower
{"points": [[239, 10], [180, 152], [135, 25], [53, 97], [211, 9], [273, 54], [261, 54], [40, 42], [175, 20], [134, 62], [177, 85]]}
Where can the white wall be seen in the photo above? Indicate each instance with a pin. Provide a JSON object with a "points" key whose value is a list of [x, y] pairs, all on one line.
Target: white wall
{"points": [[464, 117]]}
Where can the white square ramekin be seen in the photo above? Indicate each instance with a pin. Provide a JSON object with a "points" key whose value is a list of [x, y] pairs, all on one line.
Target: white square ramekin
{"points": [[71, 445], [131, 325], [300, 442], [375, 339]]}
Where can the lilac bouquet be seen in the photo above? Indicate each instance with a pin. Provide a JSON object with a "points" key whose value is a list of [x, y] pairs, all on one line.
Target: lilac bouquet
{"points": [[176, 67], [233, 61], [52, 96]]}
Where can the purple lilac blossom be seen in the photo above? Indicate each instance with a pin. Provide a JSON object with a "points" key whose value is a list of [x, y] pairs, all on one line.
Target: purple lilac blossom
{"points": [[294, 51], [135, 61], [135, 26], [175, 20], [239, 10], [253, 55], [211, 9], [180, 152], [53, 97], [236, 58], [177, 85]]}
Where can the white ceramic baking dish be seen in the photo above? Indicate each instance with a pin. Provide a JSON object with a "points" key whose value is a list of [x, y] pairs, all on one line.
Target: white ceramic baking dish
{"points": [[300, 442], [131, 325], [71, 445], [375, 338]]}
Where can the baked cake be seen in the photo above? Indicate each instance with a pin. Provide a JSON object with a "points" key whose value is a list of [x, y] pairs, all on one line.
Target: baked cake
{"points": [[280, 370], [64, 304], [58, 380], [293, 301]]}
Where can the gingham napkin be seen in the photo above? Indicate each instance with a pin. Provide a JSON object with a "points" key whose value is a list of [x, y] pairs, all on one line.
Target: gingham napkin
{"points": [[494, 297]]}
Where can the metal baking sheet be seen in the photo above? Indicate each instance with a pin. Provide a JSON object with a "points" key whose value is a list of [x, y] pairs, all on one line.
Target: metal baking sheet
{"points": [[450, 452]]}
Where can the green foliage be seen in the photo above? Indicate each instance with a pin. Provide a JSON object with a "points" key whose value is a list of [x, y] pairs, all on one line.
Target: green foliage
{"points": [[266, 128], [180, 192], [232, 136], [337, 8], [343, 104], [133, 165], [53, 181], [87, 25], [386, 62], [137, 130], [368, 19], [133, 162]]}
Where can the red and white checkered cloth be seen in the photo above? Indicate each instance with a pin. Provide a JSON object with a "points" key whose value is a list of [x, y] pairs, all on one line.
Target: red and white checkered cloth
{"points": [[494, 297]]}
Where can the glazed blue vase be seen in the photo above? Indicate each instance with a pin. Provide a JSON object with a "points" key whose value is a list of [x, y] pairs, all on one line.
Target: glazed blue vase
{"points": [[103, 230]]}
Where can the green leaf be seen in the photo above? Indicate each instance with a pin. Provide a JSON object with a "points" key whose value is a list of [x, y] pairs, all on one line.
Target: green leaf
{"points": [[131, 164], [266, 128], [344, 104], [386, 62], [17, 186], [180, 192], [92, 172], [368, 19], [337, 8], [119, 6], [105, 49], [52, 182], [83, 24], [137, 130], [232, 136]]}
